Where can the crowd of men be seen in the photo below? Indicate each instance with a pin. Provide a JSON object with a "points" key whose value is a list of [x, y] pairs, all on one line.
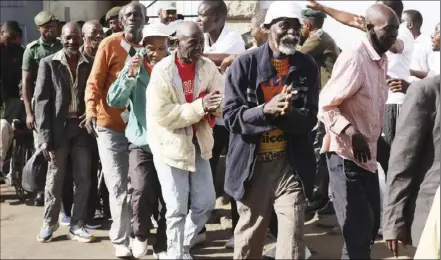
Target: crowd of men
{"points": [[307, 126]]}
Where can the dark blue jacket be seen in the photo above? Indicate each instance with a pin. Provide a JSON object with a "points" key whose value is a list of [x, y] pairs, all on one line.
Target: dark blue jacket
{"points": [[244, 118]]}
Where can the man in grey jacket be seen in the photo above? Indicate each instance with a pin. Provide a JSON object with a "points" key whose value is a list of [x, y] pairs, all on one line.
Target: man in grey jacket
{"points": [[414, 165], [59, 106]]}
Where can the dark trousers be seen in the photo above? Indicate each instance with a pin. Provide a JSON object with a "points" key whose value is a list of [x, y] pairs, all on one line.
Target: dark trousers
{"points": [[322, 174], [355, 193], [93, 200], [146, 193], [221, 138], [388, 135]]}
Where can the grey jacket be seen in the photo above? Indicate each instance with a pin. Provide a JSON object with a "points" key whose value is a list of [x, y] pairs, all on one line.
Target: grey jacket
{"points": [[414, 165], [53, 96]]}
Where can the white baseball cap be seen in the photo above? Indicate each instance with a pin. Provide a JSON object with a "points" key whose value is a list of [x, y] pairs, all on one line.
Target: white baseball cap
{"points": [[155, 29], [283, 9], [168, 5]]}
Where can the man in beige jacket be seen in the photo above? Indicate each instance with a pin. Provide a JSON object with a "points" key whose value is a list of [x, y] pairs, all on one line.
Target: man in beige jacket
{"points": [[183, 96]]}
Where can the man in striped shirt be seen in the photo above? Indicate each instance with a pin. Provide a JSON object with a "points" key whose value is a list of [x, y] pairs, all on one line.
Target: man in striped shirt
{"points": [[351, 106]]}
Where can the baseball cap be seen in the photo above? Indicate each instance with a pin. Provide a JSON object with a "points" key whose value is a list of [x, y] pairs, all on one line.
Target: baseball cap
{"points": [[169, 5], [43, 18], [283, 9], [155, 29], [173, 26]]}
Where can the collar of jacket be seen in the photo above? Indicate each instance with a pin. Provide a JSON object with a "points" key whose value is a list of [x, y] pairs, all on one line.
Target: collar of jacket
{"points": [[61, 57]]}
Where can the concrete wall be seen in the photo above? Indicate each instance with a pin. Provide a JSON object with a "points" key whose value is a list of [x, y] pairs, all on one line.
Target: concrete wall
{"points": [[77, 10]]}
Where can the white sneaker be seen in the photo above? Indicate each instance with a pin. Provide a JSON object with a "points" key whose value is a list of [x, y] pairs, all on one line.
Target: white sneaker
{"points": [[187, 256], [160, 255], [200, 238], [139, 248], [122, 251]]}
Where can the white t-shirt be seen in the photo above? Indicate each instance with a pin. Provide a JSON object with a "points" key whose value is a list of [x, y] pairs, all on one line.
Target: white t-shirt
{"points": [[434, 66], [422, 50], [229, 42], [399, 63]]}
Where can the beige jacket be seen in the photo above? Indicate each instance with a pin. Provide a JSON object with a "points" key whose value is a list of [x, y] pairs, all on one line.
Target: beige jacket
{"points": [[170, 118]]}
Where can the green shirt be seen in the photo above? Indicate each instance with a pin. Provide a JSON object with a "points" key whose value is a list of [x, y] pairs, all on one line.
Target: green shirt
{"points": [[37, 50], [323, 49]]}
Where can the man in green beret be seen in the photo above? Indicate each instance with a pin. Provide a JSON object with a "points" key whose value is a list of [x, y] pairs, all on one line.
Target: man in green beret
{"points": [[324, 50], [113, 19], [46, 45]]}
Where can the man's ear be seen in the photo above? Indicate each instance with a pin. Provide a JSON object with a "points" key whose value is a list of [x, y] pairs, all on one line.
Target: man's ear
{"points": [[265, 28], [410, 25]]}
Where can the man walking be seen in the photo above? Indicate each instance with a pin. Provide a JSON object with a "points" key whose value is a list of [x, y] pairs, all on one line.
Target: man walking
{"points": [[47, 45], [414, 165], [108, 124], [270, 107], [183, 97], [59, 103], [351, 106]]}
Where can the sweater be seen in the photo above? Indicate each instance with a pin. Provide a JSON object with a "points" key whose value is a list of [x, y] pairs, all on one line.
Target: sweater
{"points": [[112, 54]]}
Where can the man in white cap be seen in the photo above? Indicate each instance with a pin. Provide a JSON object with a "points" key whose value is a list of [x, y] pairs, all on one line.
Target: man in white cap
{"points": [[167, 12], [270, 107], [130, 88]]}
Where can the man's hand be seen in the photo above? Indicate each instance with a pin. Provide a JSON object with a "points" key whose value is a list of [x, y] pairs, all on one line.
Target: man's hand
{"points": [[314, 5], [30, 121], [360, 147], [288, 102], [46, 151], [227, 63], [361, 21], [393, 246], [280, 103], [134, 65], [212, 101], [90, 125], [397, 85], [83, 121]]}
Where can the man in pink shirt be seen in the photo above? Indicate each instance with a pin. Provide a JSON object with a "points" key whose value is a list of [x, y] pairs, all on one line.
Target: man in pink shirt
{"points": [[352, 108]]}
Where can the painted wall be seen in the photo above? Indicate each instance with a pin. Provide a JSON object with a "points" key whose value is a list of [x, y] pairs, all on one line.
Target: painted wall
{"points": [[77, 10]]}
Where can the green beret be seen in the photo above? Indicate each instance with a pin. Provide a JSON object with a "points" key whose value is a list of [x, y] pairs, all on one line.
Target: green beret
{"points": [[43, 18], [312, 14], [113, 13]]}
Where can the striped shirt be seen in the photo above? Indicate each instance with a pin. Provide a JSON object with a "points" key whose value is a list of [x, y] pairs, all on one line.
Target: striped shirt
{"points": [[355, 94], [73, 106]]}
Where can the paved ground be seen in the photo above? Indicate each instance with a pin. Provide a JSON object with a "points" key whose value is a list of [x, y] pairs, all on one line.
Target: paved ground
{"points": [[20, 224]]}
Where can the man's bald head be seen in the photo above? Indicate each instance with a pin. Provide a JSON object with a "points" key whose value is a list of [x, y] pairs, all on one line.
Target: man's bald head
{"points": [[188, 29], [190, 41], [380, 14], [382, 27], [71, 39], [91, 26]]}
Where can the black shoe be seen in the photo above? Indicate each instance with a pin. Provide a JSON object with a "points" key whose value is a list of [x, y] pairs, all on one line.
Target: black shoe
{"points": [[317, 204], [39, 200], [327, 210]]}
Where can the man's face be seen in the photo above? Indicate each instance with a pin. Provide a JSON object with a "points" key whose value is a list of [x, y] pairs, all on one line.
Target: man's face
{"points": [[167, 16], [385, 35], [285, 34], [49, 30], [7, 37], [257, 34], [156, 48], [133, 19], [207, 19], [71, 40], [93, 37], [435, 39], [191, 47], [115, 25]]}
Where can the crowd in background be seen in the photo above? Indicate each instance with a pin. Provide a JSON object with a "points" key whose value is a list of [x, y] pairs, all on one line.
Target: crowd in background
{"points": [[131, 120]]}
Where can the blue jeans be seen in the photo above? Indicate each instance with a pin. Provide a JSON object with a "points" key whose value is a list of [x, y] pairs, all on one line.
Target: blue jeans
{"points": [[112, 146], [178, 186]]}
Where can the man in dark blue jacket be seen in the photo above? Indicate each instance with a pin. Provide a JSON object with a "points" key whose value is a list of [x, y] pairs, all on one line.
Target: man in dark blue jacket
{"points": [[271, 97]]}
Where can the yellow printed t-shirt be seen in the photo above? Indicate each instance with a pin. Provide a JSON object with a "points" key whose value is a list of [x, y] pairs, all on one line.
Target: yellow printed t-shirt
{"points": [[274, 140]]}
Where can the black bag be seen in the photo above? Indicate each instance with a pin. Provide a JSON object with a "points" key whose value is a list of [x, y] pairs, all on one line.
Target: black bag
{"points": [[34, 173]]}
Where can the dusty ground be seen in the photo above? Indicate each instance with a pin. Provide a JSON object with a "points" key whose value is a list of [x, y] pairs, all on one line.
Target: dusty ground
{"points": [[20, 225]]}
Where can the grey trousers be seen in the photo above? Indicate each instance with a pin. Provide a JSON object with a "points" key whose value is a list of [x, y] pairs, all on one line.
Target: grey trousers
{"points": [[273, 184], [75, 146]]}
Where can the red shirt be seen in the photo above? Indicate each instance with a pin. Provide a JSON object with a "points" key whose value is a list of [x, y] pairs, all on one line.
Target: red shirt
{"points": [[187, 72]]}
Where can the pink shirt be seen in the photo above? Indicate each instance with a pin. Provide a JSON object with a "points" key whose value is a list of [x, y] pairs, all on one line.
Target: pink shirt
{"points": [[356, 94]]}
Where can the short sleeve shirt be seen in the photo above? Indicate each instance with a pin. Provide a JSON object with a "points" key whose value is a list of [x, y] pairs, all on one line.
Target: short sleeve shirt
{"points": [[229, 42], [399, 63], [37, 50]]}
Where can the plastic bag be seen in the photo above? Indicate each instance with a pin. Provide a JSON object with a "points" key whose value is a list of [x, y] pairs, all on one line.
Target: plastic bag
{"points": [[34, 173]]}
